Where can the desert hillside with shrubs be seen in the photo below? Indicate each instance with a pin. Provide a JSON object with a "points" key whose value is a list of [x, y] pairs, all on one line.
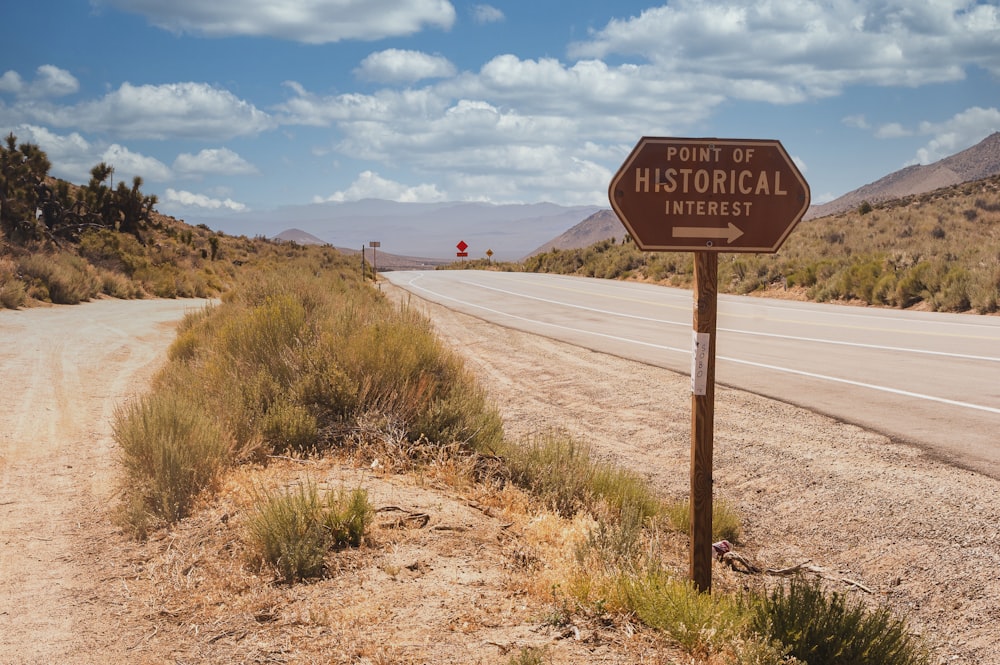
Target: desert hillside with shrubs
{"points": [[938, 251]]}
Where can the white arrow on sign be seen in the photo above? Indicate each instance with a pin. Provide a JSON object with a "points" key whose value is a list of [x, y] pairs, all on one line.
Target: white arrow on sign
{"points": [[731, 233]]}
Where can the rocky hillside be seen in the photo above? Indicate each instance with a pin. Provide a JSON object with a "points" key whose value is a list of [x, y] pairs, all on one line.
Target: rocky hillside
{"points": [[600, 226], [980, 161]]}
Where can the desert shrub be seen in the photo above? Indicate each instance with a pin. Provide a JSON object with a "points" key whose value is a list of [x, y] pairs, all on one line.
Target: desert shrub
{"points": [[289, 427], [117, 285], [399, 368], [827, 628], [117, 252], [529, 656], [702, 623], [952, 293], [293, 530], [615, 542], [171, 451], [13, 294], [62, 279], [726, 523]]}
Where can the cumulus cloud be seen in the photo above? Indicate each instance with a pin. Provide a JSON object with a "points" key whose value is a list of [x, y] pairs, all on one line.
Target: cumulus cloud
{"points": [[370, 185], [185, 199], [483, 14], [399, 66], [959, 132], [315, 22], [128, 164], [787, 51], [175, 110], [51, 81], [892, 130], [856, 121], [214, 161]]}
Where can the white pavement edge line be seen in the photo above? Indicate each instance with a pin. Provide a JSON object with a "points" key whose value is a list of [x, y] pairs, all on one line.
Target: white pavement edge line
{"points": [[815, 340], [776, 368]]}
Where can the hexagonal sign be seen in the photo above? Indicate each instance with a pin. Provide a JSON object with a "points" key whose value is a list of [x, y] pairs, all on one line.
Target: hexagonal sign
{"points": [[716, 195]]}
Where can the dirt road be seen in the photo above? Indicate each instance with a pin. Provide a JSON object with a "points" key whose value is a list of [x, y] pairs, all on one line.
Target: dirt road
{"points": [[62, 372]]}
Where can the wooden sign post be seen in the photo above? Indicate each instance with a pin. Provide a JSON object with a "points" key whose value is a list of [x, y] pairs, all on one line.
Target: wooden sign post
{"points": [[707, 196], [706, 278]]}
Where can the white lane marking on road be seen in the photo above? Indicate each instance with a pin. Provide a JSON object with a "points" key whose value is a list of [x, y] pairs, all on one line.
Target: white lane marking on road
{"points": [[816, 340], [776, 368]]}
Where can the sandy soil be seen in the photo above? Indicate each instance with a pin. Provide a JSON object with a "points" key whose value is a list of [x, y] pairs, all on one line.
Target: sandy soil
{"points": [[921, 535], [62, 372]]}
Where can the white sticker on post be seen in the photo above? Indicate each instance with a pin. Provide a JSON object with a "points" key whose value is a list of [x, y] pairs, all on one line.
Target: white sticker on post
{"points": [[699, 362]]}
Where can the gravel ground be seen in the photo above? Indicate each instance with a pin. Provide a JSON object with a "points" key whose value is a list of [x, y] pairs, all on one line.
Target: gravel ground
{"points": [[921, 535]]}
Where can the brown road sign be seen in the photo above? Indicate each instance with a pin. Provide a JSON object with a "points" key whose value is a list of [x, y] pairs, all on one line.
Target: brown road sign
{"points": [[716, 195]]}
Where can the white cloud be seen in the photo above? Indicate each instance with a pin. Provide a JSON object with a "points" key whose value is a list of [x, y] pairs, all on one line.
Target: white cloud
{"points": [[51, 81], [785, 51], [129, 164], [72, 156], [185, 199], [215, 161], [399, 66], [892, 130], [959, 132], [483, 14], [313, 22], [11, 82], [176, 110], [857, 121], [370, 185]]}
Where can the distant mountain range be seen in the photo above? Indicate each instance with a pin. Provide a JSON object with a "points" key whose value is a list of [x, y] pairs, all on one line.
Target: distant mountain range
{"points": [[414, 229], [407, 231], [383, 260]]}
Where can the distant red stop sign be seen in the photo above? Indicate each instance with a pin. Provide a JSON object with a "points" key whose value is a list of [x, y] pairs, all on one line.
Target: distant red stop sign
{"points": [[717, 195], [462, 246]]}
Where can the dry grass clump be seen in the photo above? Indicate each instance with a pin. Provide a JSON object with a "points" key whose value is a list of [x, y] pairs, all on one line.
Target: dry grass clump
{"points": [[294, 529], [170, 451], [13, 293], [297, 357], [59, 278]]}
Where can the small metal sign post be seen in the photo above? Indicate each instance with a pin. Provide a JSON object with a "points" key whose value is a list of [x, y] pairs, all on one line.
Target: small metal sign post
{"points": [[374, 244], [707, 196], [489, 255]]}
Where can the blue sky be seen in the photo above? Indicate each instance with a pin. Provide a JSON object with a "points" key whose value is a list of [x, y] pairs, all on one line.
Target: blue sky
{"points": [[233, 105]]}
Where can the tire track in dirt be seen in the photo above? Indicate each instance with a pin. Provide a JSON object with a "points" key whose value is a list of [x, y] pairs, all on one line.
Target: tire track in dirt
{"points": [[62, 372]]}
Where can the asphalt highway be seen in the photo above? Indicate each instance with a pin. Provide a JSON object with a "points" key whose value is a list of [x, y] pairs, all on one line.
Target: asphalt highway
{"points": [[924, 378]]}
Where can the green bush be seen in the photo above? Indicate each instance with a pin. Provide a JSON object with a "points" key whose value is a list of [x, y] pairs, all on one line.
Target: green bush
{"points": [[823, 628], [702, 623], [292, 530]]}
